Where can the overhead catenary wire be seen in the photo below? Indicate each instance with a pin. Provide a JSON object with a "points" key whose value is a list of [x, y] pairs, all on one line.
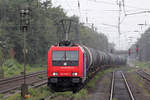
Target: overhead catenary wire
{"points": [[123, 3], [113, 3], [115, 26], [85, 18], [140, 12], [122, 20], [70, 7], [86, 13], [79, 10]]}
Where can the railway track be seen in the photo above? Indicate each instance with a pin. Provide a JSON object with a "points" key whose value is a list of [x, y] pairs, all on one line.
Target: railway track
{"points": [[33, 79], [120, 89], [144, 75], [49, 97], [54, 97]]}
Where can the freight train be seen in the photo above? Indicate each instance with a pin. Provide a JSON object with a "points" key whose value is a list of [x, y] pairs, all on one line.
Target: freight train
{"points": [[70, 65]]}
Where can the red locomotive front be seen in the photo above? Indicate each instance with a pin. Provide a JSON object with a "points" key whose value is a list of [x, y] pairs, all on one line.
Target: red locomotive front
{"points": [[65, 66]]}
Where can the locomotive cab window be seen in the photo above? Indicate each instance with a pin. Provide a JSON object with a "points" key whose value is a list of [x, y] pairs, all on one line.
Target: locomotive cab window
{"points": [[65, 58]]}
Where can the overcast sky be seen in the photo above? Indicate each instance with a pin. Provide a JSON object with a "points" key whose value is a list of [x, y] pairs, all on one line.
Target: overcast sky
{"points": [[104, 15]]}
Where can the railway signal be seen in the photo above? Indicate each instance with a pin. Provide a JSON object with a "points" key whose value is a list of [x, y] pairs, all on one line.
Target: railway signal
{"points": [[129, 52], [24, 19], [137, 49], [24, 27], [111, 51]]}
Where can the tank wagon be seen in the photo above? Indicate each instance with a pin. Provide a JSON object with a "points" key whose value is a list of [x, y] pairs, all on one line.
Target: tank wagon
{"points": [[70, 65]]}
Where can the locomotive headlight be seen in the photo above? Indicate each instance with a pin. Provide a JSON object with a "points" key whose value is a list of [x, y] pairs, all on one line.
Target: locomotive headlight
{"points": [[55, 74], [74, 74]]}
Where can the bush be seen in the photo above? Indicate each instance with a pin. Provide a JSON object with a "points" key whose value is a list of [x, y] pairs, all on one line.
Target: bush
{"points": [[11, 67], [1, 96]]}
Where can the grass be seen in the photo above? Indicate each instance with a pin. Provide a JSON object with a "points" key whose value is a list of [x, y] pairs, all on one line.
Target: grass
{"points": [[140, 83], [106, 80], [69, 95], [1, 96], [81, 94], [91, 83], [143, 65], [37, 94], [11, 67], [13, 97]]}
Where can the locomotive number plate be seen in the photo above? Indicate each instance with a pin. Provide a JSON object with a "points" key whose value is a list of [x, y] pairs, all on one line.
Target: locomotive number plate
{"points": [[65, 74]]}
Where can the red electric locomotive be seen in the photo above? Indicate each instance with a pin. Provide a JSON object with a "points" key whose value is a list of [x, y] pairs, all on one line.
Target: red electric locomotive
{"points": [[69, 65], [65, 67]]}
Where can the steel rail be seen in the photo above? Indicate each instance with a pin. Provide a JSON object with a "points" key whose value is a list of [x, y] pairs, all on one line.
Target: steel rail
{"points": [[112, 86], [146, 72], [39, 83], [144, 77], [129, 90], [126, 83], [49, 97], [19, 77]]}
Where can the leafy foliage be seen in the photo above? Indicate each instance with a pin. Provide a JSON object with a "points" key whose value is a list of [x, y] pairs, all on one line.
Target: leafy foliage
{"points": [[143, 46], [41, 32], [11, 67]]}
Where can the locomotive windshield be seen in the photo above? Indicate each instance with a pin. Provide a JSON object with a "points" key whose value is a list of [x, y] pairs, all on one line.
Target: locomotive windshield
{"points": [[65, 58]]}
